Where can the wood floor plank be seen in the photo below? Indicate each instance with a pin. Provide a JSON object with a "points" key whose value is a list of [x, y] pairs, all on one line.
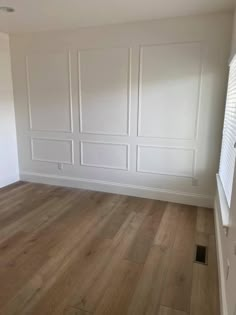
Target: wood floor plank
{"points": [[42, 233], [59, 259], [73, 311], [10, 244], [34, 254], [168, 311], [67, 251], [18, 192], [120, 289], [88, 269], [205, 291], [79, 270], [147, 295], [166, 232], [89, 295], [177, 288], [30, 202], [12, 186], [205, 221], [9, 197], [117, 219], [144, 240], [34, 218]]}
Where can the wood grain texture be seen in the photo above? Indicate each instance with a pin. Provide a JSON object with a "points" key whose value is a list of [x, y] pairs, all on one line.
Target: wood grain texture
{"points": [[147, 295], [75, 252], [74, 311], [205, 293], [177, 289], [169, 311]]}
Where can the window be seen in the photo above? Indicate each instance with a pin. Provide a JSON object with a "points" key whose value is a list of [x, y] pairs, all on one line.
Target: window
{"points": [[228, 150]]}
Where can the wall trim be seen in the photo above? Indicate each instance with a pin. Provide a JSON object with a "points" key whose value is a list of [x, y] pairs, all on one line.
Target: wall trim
{"points": [[70, 100], [201, 68], [139, 170], [118, 188], [34, 158], [82, 163], [220, 259], [80, 103]]}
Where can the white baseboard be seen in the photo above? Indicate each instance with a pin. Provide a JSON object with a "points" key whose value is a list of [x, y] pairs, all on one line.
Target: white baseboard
{"points": [[118, 188], [220, 258], [9, 180]]}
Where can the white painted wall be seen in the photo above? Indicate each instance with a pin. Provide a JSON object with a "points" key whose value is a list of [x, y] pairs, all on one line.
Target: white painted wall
{"points": [[133, 108], [8, 147], [227, 243]]}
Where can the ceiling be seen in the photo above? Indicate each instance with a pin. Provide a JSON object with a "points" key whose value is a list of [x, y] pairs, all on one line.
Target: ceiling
{"points": [[41, 15]]}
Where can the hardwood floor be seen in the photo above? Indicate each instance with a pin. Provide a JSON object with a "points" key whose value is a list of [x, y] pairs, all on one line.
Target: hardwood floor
{"points": [[75, 252]]}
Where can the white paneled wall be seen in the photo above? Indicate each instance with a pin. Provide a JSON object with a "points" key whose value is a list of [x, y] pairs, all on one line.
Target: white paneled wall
{"points": [[133, 108], [104, 90], [171, 161], [169, 84], [49, 91], [104, 154], [52, 150]]}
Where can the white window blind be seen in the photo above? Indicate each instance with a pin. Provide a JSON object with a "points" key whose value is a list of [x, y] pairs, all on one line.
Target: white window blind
{"points": [[228, 150]]}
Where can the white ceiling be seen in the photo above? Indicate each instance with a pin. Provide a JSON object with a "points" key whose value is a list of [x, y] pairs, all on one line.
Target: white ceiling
{"points": [[38, 15]]}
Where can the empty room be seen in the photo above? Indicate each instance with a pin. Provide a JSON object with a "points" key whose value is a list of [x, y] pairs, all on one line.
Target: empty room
{"points": [[117, 157]]}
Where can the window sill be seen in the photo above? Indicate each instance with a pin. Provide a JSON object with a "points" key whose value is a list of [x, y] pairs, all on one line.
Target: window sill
{"points": [[224, 208]]}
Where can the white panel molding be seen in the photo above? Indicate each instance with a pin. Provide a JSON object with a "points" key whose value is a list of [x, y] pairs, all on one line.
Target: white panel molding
{"points": [[28, 92], [200, 84], [70, 93], [82, 163], [139, 170], [195, 155], [70, 101], [199, 200], [140, 73], [128, 97], [33, 158]]}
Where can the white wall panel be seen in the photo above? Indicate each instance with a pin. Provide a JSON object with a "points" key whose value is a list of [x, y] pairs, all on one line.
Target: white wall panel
{"points": [[104, 91], [166, 160], [52, 150], [106, 155], [159, 84], [49, 91], [169, 88]]}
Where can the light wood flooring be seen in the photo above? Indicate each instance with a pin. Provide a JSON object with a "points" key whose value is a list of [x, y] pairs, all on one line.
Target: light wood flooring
{"points": [[75, 252]]}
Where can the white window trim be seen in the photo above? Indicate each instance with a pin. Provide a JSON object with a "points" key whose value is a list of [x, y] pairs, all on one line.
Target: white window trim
{"points": [[223, 203], [224, 208]]}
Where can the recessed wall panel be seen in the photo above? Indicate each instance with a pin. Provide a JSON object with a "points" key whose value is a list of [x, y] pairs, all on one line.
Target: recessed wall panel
{"points": [[169, 86], [165, 161], [106, 155], [52, 150], [104, 91], [49, 96]]}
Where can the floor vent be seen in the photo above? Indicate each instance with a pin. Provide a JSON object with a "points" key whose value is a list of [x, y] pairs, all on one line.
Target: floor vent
{"points": [[201, 254]]}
